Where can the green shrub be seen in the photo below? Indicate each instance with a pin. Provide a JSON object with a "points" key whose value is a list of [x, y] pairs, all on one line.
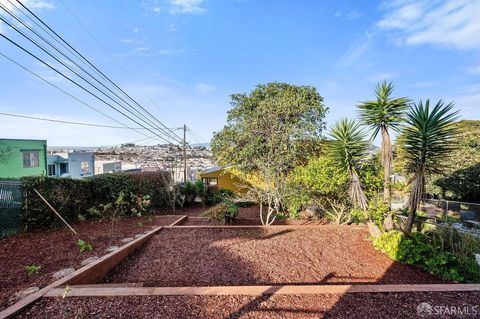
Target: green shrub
{"points": [[218, 195], [376, 213], [225, 212], [432, 252], [319, 182], [77, 199]]}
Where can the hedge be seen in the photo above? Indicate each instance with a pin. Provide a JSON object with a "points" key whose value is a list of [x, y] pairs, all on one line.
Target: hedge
{"points": [[73, 197]]}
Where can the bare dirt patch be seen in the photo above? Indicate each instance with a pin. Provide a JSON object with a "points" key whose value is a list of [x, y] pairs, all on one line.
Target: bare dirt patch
{"points": [[361, 305], [58, 249], [218, 257]]}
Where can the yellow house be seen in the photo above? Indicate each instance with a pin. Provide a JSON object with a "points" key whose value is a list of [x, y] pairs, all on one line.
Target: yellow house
{"points": [[222, 177]]}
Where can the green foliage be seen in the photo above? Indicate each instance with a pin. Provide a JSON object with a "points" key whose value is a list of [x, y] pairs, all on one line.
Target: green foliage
{"points": [[371, 176], [384, 112], [84, 246], [217, 195], [276, 123], [428, 137], [316, 183], [225, 212], [426, 140], [433, 252], [376, 212], [458, 179], [348, 149], [74, 198], [32, 269]]}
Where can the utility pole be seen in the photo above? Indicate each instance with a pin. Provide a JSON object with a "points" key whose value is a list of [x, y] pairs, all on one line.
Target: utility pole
{"points": [[184, 153]]}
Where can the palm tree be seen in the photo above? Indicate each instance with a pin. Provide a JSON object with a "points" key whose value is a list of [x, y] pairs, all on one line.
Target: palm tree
{"points": [[381, 115], [426, 140], [348, 148]]}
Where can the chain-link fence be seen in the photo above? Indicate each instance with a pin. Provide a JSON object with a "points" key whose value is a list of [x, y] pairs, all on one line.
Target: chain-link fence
{"points": [[11, 199], [452, 212]]}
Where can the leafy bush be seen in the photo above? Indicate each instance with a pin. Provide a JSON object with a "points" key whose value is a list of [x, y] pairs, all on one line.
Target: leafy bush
{"points": [[218, 195], [75, 199], [84, 246], [432, 254], [376, 213], [371, 176], [32, 269], [225, 212], [319, 182]]}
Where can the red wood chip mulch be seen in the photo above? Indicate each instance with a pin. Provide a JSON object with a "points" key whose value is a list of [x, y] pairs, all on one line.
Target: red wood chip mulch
{"points": [[58, 249]]}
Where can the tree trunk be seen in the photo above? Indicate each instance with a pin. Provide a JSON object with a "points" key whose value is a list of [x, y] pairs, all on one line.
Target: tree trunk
{"points": [[414, 200], [387, 158], [357, 196]]}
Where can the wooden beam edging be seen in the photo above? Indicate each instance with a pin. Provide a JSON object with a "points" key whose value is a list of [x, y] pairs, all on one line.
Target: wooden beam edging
{"points": [[257, 290], [85, 275], [265, 227], [178, 221]]}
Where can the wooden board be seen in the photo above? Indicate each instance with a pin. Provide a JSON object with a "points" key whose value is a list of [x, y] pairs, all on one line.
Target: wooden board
{"points": [[257, 290]]}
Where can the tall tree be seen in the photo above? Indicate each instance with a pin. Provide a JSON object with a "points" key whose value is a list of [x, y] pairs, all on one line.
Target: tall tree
{"points": [[383, 114], [426, 140], [269, 131], [348, 148]]}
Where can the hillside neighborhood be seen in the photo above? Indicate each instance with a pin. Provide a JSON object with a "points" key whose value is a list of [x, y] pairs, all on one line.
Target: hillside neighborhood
{"points": [[327, 164]]}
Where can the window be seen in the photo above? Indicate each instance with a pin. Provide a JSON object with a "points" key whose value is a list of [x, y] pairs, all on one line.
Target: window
{"points": [[210, 182], [85, 168], [51, 170], [30, 159]]}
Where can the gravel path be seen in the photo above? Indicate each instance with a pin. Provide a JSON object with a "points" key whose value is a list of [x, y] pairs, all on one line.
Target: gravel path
{"points": [[378, 305], [211, 257], [54, 250]]}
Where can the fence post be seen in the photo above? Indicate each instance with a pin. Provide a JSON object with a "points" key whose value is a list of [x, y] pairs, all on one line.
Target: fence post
{"points": [[446, 213]]}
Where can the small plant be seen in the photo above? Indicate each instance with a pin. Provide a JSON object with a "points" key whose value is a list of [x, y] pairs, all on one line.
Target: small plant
{"points": [[140, 225], [32, 269], [84, 246]]}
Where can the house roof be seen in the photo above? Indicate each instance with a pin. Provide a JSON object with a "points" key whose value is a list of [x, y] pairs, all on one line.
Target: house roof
{"points": [[213, 169]]}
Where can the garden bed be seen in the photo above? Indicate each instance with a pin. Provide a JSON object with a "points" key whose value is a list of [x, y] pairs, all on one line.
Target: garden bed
{"points": [[58, 249], [359, 305], [221, 256]]}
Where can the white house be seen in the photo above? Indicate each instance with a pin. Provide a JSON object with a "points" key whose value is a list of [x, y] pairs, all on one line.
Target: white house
{"points": [[81, 164], [104, 167]]}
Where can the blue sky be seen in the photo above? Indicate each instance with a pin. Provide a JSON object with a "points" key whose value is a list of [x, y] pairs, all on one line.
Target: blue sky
{"points": [[190, 55]]}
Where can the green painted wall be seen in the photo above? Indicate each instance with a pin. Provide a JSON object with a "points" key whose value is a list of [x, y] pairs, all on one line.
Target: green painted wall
{"points": [[11, 158]]}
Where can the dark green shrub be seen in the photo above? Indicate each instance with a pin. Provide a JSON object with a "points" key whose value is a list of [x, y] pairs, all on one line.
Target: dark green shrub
{"points": [[431, 253], [218, 195], [225, 212], [189, 191], [91, 197]]}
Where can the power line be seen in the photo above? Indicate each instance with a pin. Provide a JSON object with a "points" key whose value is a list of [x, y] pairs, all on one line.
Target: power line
{"points": [[79, 85], [171, 134], [113, 59], [65, 92], [67, 122], [80, 76]]}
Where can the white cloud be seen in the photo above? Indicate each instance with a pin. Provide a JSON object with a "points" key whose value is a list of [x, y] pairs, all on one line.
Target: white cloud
{"points": [[449, 23], [204, 88], [380, 76], [357, 49], [349, 15], [31, 4], [474, 69], [186, 6]]}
